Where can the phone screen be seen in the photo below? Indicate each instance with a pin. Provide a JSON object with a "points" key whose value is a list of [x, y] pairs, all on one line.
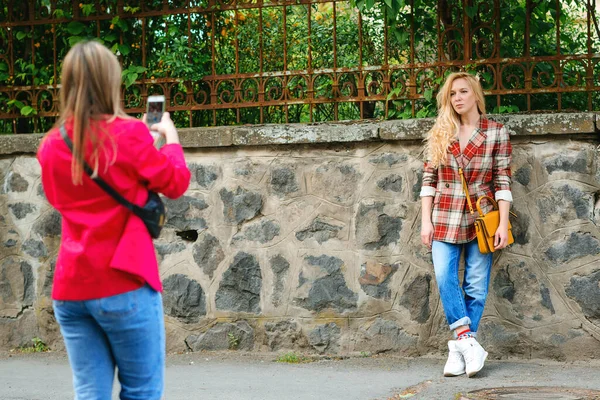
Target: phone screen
{"points": [[155, 109]]}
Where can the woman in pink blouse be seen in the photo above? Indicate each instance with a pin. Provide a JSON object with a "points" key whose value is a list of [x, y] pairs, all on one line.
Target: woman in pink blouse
{"points": [[106, 287]]}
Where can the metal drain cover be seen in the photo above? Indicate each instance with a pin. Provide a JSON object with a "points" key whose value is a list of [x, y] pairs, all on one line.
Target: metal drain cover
{"points": [[533, 393]]}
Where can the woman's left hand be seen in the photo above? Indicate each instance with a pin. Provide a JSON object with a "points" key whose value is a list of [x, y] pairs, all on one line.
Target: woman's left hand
{"points": [[501, 237]]}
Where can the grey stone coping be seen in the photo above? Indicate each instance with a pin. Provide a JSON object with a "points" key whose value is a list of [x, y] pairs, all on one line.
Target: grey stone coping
{"points": [[337, 132]]}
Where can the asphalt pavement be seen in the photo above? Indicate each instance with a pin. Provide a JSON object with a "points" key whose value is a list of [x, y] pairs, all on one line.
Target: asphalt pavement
{"points": [[251, 376]]}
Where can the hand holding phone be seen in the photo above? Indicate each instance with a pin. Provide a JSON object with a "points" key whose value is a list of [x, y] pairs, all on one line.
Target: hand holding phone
{"points": [[155, 109], [163, 131]]}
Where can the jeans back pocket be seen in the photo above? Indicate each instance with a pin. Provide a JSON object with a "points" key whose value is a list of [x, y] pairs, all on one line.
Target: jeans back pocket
{"points": [[119, 305]]}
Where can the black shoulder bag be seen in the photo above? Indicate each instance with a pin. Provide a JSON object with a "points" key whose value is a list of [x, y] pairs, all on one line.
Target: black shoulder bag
{"points": [[153, 212]]}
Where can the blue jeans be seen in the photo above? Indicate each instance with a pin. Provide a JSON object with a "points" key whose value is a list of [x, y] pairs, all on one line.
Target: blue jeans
{"points": [[462, 305], [126, 331]]}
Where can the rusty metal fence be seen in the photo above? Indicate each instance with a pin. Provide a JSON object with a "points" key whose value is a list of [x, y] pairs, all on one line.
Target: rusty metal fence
{"points": [[222, 62]]}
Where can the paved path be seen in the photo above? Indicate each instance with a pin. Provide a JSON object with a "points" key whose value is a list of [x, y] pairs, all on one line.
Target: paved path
{"points": [[224, 376]]}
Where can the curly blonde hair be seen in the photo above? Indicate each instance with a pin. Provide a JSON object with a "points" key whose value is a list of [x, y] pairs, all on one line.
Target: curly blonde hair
{"points": [[445, 129]]}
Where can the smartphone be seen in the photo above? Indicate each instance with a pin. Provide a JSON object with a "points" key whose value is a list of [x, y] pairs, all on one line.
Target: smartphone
{"points": [[155, 109]]}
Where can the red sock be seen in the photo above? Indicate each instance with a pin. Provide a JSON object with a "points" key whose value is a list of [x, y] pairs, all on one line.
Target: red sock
{"points": [[463, 334]]}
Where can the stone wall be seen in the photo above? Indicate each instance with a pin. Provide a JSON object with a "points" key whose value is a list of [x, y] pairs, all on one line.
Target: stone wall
{"points": [[306, 237]]}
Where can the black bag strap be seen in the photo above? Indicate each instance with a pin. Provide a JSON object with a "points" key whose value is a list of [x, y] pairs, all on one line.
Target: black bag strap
{"points": [[105, 186]]}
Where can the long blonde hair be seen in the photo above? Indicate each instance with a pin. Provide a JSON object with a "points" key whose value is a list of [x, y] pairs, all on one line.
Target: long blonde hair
{"points": [[445, 129], [90, 93]]}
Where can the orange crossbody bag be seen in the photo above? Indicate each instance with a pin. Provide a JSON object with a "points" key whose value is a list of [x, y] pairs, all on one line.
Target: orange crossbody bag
{"points": [[486, 225]]}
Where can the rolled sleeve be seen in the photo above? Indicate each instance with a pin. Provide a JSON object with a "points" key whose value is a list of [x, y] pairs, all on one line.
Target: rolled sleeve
{"points": [[504, 195], [502, 160], [430, 178], [427, 191]]}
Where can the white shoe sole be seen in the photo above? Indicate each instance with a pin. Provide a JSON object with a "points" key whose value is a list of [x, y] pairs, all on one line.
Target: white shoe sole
{"points": [[450, 374], [472, 373]]}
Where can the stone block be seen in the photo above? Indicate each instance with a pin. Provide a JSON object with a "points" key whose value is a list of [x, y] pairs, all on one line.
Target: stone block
{"points": [[585, 290], [375, 228], [208, 253], [240, 205], [322, 286], [523, 294], [325, 338], [375, 279], [547, 124], [407, 129], [17, 287], [206, 137], [284, 335], [569, 248], [382, 336], [284, 181], [223, 336], [186, 213], [183, 298], [241, 285], [49, 224], [21, 210], [305, 133], [560, 204], [416, 297], [344, 177], [34, 248], [503, 340], [262, 231], [205, 175], [388, 159], [321, 229], [280, 267]]}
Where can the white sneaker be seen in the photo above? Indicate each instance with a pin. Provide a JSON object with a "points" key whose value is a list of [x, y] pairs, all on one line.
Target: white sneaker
{"points": [[473, 354], [456, 363]]}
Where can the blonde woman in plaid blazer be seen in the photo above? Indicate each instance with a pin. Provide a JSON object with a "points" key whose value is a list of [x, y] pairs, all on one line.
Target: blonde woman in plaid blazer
{"points": [[462, 138]]}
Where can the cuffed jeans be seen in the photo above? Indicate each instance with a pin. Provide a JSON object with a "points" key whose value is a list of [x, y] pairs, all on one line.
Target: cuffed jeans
{"points": [[462, 305], [126, 331]]}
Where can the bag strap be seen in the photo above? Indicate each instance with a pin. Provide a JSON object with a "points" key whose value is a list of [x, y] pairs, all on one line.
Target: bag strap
{"points": [[99, 181], [466, 189], [478, 204]]}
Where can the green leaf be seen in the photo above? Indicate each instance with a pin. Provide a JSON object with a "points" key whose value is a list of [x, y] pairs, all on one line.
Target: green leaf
{"points": [[370, 4], [471, 11], [21, 35], [124, 49], [73, 40], [75, 27], [111, 37], [130, 79], [122, 25], [27, 110], [428, 95], [3, 67], [16, 103]]}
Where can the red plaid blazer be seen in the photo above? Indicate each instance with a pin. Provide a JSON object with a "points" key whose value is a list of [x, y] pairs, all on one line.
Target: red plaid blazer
{"points": [[486, 166]]}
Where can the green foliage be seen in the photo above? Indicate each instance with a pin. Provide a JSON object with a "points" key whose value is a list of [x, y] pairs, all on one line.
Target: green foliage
{"points": [[233, 341], [408, 36], [292, 358], [38, 346]]}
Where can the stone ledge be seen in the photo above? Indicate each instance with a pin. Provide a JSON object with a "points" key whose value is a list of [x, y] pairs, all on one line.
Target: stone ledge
{"points": [[338, 132]]}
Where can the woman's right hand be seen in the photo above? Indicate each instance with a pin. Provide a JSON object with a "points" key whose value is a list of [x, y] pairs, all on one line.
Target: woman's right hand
{"points": [[167, 128], [427, 233]]}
